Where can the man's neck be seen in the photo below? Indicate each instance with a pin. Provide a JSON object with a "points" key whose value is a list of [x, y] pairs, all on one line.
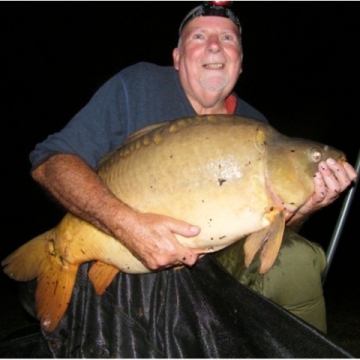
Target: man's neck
{"points": [[226, 106]]}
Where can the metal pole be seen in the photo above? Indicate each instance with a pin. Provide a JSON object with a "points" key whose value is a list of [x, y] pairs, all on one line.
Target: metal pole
{"points": [[340, 222]]}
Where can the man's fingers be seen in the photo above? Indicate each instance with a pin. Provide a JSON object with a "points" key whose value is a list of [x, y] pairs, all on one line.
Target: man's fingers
{"points": [[154, 241], [339, 175], [185, 255], [320, 188], [352, 174], [183, 228], [335, 179]]}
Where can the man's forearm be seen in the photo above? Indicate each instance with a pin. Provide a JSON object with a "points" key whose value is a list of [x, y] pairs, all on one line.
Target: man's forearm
{"points": [[297, 221], [79, 189]]}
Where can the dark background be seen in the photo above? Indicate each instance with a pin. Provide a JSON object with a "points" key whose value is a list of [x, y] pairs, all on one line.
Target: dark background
{"points": [[301, 69]]}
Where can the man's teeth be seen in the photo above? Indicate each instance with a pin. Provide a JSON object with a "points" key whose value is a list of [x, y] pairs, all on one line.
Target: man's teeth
{"points": [[214, 66]]}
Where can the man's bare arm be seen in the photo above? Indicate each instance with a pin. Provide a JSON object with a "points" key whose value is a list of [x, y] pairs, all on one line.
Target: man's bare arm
{"points": [[150, 237]]}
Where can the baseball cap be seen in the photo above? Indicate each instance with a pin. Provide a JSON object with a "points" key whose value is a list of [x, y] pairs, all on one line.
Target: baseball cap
{"points": [[211, 8]]}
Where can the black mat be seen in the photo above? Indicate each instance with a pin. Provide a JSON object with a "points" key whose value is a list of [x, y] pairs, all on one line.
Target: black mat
{"points": [[200, 312]]}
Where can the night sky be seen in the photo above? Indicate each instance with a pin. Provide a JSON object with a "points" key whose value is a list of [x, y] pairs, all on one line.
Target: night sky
{"points": [[301, 69]]}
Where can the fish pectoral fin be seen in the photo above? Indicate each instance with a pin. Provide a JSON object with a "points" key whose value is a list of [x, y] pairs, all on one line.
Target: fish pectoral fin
{"points": [[253, 243], [269, 239], [272, 246], [53, 293], [101, 275]]}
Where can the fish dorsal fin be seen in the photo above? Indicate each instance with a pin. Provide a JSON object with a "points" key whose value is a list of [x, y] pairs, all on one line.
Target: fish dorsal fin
{"points": [[269, 239], [260, 138], [124, 148], [101, 275], [143, 131]]}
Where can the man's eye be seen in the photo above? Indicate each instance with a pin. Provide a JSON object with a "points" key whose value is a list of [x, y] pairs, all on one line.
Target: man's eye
{"points": [[227, 37], [198, 36]]}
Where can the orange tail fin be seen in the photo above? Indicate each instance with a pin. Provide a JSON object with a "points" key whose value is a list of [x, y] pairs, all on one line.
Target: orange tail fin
{"points": [[53, 293], [101, 275], [38, 259], [25, 263]]}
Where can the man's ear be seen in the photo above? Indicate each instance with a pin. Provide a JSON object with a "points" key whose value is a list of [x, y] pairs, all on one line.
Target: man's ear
{"points": [[176, 58]]}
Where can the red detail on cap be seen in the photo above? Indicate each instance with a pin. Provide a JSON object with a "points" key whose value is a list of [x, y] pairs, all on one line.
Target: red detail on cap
{"points": [[221, 3]]}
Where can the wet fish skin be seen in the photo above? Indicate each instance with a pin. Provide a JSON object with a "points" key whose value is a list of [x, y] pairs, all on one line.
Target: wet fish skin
{"points": [[230, 175]]}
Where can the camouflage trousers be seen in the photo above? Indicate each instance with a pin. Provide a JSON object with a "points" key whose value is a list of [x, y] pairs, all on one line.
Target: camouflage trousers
{"points": [[295, 280]]}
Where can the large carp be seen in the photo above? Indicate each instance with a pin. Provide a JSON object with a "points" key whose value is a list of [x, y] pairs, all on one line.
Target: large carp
{"points": [[232, 176]]}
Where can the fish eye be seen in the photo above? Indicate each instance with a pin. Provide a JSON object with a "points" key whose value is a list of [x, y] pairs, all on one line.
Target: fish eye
{"points": [[316, 154]]}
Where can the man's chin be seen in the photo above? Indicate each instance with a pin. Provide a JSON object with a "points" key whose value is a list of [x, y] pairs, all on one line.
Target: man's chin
{"points": [[213, 85]]}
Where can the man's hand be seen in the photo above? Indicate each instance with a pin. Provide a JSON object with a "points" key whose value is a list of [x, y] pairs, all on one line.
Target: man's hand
{"points": [[330, 181], [150, 237]]}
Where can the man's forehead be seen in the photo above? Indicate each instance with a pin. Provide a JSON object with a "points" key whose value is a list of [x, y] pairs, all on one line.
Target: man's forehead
{"points": [[211, 22]]}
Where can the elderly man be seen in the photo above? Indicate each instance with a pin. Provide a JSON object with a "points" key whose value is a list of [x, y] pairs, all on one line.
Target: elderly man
{"points": [[207, 65]]}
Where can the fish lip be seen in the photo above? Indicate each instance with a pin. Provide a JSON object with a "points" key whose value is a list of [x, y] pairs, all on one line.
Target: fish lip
{"points": [[342, 160]]}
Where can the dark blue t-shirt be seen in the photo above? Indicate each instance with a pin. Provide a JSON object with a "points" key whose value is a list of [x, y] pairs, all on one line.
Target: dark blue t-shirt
{"points": [[139, 95]]}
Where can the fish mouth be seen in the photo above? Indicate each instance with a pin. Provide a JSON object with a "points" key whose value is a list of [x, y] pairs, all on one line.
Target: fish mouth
{"points": [[342, 160], [214, 66]]}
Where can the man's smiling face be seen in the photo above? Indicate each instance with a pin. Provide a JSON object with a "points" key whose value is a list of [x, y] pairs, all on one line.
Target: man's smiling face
{"points": [[209, 56]]}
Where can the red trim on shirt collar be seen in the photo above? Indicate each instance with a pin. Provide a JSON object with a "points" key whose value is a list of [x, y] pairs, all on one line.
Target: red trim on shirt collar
{"points": [[230, 104]]}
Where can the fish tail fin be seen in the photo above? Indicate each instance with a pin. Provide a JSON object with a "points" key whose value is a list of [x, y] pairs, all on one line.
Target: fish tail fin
{"points": [[25, 263], [101, 275], [53, 293], [39, 259], [269, 239]]}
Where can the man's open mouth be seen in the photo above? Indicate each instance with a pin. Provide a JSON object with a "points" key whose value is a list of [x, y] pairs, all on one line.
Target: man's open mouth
{"points": [[214, 66]]}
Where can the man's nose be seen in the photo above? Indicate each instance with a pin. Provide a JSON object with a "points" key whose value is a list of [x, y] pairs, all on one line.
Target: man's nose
{"points": [[214, 44]]}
